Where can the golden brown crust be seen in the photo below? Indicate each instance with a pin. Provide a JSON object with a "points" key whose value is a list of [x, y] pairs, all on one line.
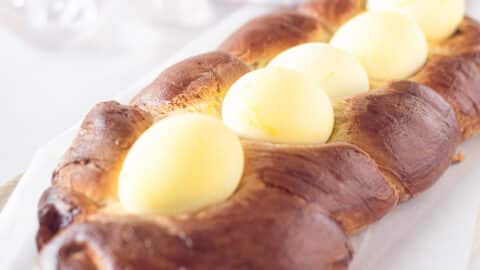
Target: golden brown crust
{"points": [[333, 13], [261, 39], [340, 178], [282, 217], [285, 194], [195, 84], [58, 209], [453, 71], [466, 39], [92, 164], [409, 130], [261, 227], [457, 79]]}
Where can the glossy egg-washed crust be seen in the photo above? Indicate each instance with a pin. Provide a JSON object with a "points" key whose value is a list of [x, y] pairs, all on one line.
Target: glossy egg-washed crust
{"points": [[296, 205]]}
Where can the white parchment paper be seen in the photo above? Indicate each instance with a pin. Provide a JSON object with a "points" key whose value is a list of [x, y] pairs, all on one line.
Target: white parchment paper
{"points": [[433, 231]]}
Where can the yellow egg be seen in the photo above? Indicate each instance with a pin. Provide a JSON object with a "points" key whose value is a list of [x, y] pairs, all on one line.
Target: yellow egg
{"points": [[437, 18], [278, 105], [339, 73], [181, 164], [390, 45]]}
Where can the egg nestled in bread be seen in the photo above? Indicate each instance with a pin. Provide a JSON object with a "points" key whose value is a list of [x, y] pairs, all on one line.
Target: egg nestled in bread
{"points": [[390, 45], [437, 18], [278, 105], [180, 165], [339, 73]]}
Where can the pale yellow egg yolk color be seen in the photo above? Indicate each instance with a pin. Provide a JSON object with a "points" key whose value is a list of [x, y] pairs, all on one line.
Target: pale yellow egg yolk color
{"points": [[390, 45], [339, 73], [437, 18], [180, 165], [278, 105]]}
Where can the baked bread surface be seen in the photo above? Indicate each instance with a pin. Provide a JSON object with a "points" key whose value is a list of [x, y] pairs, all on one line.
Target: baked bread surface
{"points": [[296, 205], [261, 227], [261, 39], [408, 129], [333, 13], [196, 84]]}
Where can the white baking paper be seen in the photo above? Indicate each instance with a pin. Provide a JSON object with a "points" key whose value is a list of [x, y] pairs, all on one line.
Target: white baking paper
{"points": [[433, 231]]}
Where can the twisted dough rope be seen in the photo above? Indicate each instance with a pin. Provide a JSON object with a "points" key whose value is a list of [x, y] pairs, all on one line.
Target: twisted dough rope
{"points": [[389, 144]]}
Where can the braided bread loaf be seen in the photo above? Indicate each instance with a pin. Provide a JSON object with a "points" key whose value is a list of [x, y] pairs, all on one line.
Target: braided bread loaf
{"points": [[296, 205]]}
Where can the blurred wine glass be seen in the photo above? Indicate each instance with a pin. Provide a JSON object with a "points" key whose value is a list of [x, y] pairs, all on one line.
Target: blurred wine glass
{"points": [[55, 23], [52, 23]]}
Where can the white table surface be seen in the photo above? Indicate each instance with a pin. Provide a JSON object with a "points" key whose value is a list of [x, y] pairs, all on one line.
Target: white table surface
{"points": [[43, 92]]}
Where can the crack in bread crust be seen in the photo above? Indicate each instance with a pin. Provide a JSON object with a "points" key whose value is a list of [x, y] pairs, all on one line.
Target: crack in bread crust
{"points": [[196, 84]]}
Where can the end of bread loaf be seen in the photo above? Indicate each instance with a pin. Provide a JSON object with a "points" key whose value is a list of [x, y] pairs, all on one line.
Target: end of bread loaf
{"points": [[261, 39], [58, 209], [242, 232]]}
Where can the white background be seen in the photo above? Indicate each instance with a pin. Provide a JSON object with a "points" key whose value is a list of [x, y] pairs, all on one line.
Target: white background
{"points": [[45, 91]]}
